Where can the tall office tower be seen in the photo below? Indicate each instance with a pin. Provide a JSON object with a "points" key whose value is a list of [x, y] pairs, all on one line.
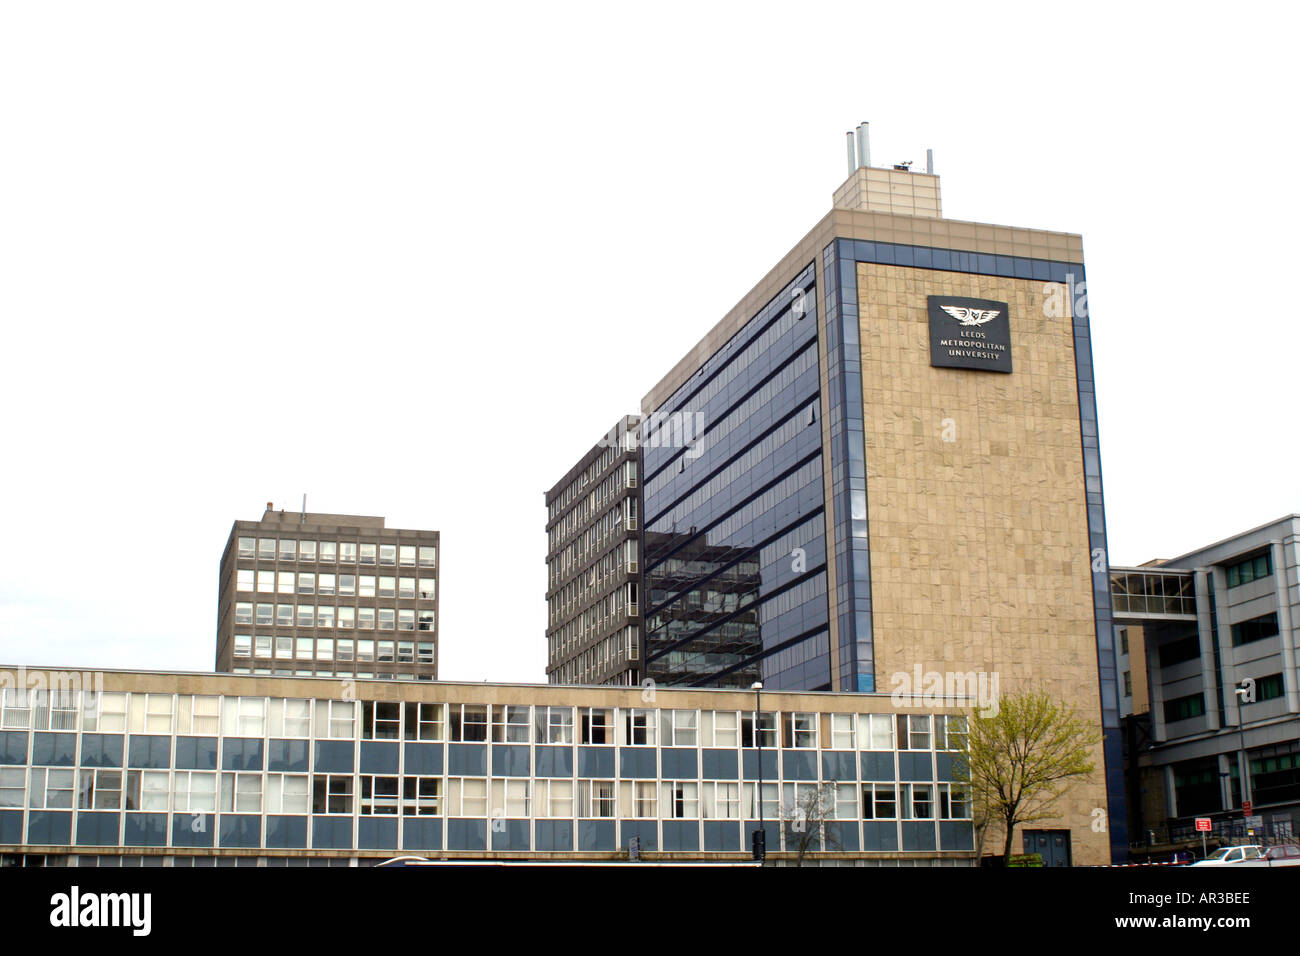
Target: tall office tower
{"points": [[593, 629], [882, 468], [1210, 686], [307, 594]]}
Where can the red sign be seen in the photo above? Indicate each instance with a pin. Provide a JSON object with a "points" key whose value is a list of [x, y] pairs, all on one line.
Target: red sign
{"points": [[1203, 825], [1246, 807]]}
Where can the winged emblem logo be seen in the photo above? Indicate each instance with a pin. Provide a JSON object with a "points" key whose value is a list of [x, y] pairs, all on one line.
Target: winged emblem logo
{"points": [[968, 316]]}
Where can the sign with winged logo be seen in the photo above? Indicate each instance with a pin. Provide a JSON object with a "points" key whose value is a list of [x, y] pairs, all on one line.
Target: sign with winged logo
{"points": [[969, 333]]}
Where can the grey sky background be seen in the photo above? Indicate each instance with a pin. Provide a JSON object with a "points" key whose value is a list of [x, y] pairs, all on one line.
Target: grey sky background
{"points": [[414, 259]]}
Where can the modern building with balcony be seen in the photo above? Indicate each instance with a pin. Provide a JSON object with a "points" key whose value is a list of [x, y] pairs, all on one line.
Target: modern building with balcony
{"points": [[1206, 647]]}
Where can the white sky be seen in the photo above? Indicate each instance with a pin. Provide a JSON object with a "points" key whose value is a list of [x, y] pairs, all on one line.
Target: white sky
{"points": [[414, 259]]}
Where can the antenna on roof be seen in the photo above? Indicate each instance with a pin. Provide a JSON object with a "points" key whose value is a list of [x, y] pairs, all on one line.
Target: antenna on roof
{"points": [[304, 508]]}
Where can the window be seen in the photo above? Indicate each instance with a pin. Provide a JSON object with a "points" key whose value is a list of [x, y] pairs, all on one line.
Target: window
{"points": [[368, 554], [365, 650], [262, 647], [467, 797], [244, 579], [12, 784], [427, 588], [388, 554], [331, 793], [720, 728], [288, 549], [306, 582], [244, 614], [306, 550], [555, 725], [771, 801], [243, 716], [406, 588], [336, 719], [766, 730], [1128, 684], [378, 796], [324, 615], [243, 645], [913, 731], [405, 619], [1256, 629], [51, 789], [879, 801], [1250, 569], [420, 796], [916, 801], [842, 735], [387, 618], [287, 793], [1184, 649], [284, 647], [385, 652], [55, 709], [325, 585], [304, 646], [595, 798], [103, 713], [425, 652], [266, 549], [329, 550], [799, 731], [678, 728], [347, 617], [366, 619], [347, 585], [721, 801], [266, 582], [151, 713], [285, 585], [290, 718], [510, 724], [644, 799], [1266, 688], [387, 586], [424, 721], [241, 793], [469, 722], [426, 620], [283, 615], [194, 792], [265, 615], [1184, 708], [247, 548], [347, 552], [306, 615], [428, 556], [639, 727], [554, 798], [597, 725], [954, 802], [345, 649], [681, 800], [1123, 640], [950, 732]]}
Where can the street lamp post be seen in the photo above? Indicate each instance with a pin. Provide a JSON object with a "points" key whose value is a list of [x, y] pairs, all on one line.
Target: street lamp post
{"points": [[760, 842], [1242, 693]]}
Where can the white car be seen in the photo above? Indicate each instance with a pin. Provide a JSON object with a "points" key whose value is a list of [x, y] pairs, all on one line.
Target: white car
{"points": [[1282, 855], [1232, 856]]}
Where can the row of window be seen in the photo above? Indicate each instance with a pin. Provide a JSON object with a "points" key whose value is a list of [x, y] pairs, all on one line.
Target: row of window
{"points": [[328, 649], [577, 487], [327, 615], [1250, 569], [203, 715], [345, 552], [325, 670], [193, 791], [344, 585]]}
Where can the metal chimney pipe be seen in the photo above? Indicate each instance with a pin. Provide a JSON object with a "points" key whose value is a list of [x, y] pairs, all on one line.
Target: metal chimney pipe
{"points": [[853, 160], [864, 145], [929, 161]]}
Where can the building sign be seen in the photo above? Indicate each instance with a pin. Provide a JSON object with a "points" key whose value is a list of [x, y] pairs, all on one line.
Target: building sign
{"points": [[969, 333]]}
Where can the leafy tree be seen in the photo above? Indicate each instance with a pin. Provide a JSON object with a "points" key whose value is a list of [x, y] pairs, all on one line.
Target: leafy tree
{"points": [[1021, 760]]}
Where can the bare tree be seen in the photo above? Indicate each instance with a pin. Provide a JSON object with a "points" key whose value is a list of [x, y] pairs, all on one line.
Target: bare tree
{"points": [[810, 822], [1020, 761]]}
